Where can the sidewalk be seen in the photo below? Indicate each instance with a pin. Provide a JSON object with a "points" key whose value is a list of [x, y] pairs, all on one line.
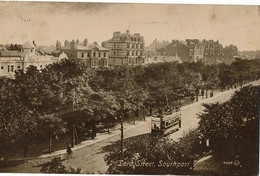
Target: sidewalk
{"points": [[127, 126], [100, 137]]}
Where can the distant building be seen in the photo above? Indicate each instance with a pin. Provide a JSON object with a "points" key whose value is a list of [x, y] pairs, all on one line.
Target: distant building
{"points": [[196, 49], [125, 49], [213, 52], [193, 50], [149, 59], [179, 48], [93, 54], [155, 46], [26, 55]]}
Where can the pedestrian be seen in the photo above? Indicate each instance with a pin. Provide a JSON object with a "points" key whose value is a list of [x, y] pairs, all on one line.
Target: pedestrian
{"points": [[202, 94], [94, 131], [69, 151], [150, 111]]}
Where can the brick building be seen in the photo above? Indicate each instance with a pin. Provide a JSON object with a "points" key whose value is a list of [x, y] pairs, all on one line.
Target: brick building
{"points": [[213, 52], [125, 49], [209, 52], [93, 54]]}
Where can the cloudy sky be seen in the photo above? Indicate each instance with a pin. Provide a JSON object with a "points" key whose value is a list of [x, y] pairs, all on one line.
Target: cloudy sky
{"points": [[46, 22]]}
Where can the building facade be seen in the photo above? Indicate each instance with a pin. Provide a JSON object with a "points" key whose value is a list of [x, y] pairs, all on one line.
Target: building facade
{"points": [[93, 54], [20, 59], [125, 49], [193, 50], [213, 52]]}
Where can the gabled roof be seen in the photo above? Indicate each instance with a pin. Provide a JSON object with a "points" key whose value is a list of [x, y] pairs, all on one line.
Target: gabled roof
{"points": [[46, 49]]}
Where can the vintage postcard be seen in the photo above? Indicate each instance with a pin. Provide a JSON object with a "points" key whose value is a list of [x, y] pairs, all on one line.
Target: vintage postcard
{"points": [[129, 88]]}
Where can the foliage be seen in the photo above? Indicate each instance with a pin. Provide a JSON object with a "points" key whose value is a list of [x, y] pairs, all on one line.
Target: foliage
{"points": [[17, 123], [232, 126], [80, 97], [145, 149], [56, 167]]}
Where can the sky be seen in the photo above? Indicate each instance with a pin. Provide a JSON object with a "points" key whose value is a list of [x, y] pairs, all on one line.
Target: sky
{"points": [[47, 22]]}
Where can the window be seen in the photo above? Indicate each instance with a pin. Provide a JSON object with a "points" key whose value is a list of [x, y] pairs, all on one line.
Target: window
{"points": [[105, 54], [88, 54], [12, 68], [82, 54], [2, 67], [8, 68], [94, 55], [99, 54], [18, 67], [40, 66]]}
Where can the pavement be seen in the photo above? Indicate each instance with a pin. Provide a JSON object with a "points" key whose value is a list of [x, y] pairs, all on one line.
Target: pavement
{"points": [[89, 155]]}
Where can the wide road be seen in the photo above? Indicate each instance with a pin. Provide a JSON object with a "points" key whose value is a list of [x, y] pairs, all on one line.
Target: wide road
{"points": [[91, 158]]}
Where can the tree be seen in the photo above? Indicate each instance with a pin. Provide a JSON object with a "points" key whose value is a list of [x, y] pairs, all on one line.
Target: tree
{"points": [[232, 127], [146, 149], [50, 126], [29, 87], [56, 167], [210, 78], [17, 122]]}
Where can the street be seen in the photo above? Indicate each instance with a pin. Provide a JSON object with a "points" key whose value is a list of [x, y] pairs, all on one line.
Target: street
{"points": [[91, 158]]}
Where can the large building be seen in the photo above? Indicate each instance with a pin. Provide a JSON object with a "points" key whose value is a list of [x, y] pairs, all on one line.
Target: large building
{"points": [[209, 52], [93, 54], [125, 49], [19, 58], [213, 52]]}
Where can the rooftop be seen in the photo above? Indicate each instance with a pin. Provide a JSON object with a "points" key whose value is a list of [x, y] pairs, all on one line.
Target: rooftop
{"points": [[8, 53], [28, 45]]}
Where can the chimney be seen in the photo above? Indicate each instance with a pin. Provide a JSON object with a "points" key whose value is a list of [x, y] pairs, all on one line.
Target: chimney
{"points": [[188, 41], [66, 43], [116, 34], [85, 42], [73, 44], [58, 45]]}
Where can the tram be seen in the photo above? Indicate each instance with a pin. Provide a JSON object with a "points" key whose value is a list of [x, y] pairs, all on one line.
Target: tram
{"points": [[166, 122]]}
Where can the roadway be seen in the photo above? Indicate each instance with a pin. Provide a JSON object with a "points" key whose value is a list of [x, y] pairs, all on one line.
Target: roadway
{"points": [[91, 158]]}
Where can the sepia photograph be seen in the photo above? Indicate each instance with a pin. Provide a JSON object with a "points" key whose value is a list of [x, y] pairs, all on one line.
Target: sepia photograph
{"points": [[129, 88]]}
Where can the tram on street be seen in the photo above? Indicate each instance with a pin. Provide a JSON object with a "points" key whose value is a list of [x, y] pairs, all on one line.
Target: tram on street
{"points": [[166, 122]]}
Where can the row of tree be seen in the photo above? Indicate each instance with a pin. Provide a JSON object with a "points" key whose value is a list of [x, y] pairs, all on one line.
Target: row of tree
{"points": [[68, 96], [232, 129]]}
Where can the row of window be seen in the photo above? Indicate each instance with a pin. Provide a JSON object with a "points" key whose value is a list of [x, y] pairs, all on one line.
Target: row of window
{"points": [[11, 68], [96, 54], [134, 53], [129, 45], [98, 63]]}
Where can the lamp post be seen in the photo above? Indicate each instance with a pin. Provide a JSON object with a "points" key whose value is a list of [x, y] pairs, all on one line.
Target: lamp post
{"points": [[122, 135]]}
